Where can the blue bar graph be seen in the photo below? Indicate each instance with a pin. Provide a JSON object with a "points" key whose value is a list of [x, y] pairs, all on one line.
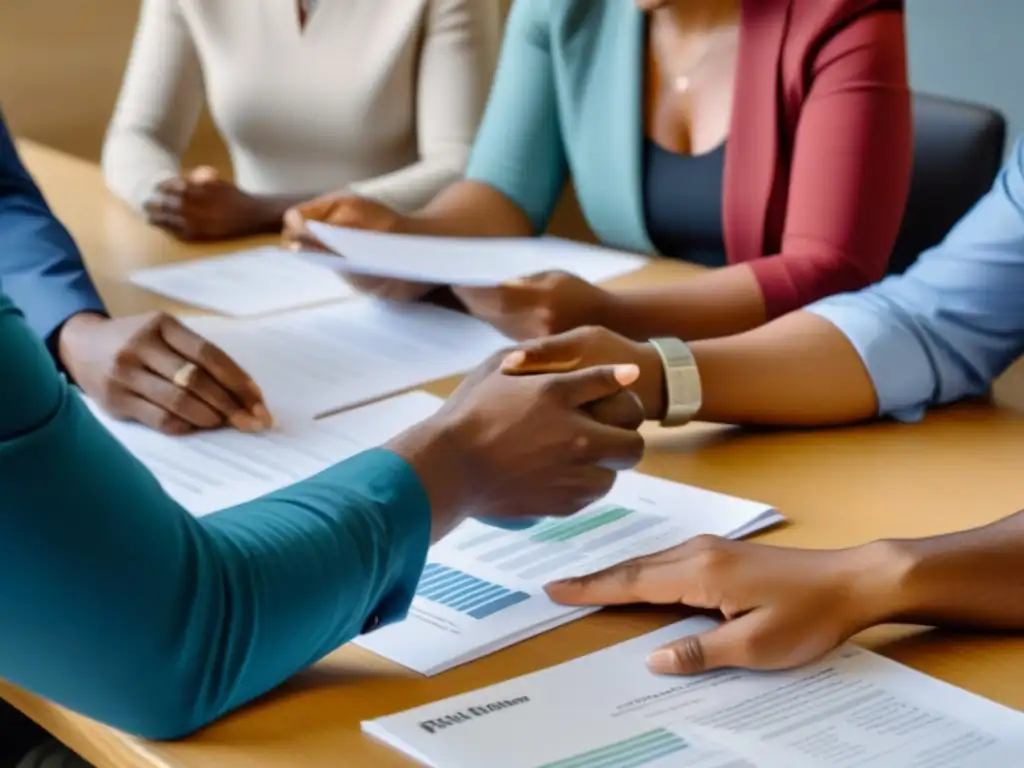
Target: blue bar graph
{"points": [[467, 594]]}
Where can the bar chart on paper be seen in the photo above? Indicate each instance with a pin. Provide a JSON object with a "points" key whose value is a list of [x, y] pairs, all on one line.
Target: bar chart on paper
{"points": [[554, 547], [645, 749], [483, 587], [467, 594]]}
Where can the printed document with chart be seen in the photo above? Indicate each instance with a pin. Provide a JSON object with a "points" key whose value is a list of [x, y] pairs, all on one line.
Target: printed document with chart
{"points": [[853, 709], [482, 589]]}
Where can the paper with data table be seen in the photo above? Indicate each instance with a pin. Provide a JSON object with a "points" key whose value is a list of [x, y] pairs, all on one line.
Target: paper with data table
{"points": [[209, 471], [486, 261], [482, 588], [322, 359], [246, 283], [853, 709]]}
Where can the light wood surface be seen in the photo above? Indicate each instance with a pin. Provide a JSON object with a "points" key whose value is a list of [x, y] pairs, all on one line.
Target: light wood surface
{"points": [[959, 468]]}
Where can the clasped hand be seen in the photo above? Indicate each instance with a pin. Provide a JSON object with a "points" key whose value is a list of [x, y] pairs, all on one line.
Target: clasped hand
{"points": [[522, 446]]}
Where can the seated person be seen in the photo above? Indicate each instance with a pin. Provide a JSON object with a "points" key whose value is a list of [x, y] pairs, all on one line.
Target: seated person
{"points": [[942, 331], [804, 103], [378, 99], [148, 368], [117, 603]]}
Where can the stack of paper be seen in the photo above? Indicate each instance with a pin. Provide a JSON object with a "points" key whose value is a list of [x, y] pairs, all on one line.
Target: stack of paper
{"points": [[482, 589], [606, 710], [323, 359], [208, 471], [246, 283], [465, 261]]}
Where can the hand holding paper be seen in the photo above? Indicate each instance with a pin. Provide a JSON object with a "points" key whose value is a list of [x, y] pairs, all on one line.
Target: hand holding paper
{"points": [[356, 213]]}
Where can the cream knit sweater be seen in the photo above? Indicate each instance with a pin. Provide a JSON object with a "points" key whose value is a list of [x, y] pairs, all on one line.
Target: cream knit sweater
{"points": [[381, 97]]}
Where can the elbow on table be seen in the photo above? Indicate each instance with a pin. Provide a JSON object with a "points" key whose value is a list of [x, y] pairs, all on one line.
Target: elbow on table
{"points": [[169, 701], [166, 716]]}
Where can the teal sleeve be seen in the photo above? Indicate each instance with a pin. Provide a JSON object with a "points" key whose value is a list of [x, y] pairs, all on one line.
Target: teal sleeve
{"points": [[117, 603], [518, 149]]}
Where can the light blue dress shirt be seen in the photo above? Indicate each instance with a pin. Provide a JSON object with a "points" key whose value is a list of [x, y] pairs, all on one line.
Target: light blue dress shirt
{"points": [[955, 320]]}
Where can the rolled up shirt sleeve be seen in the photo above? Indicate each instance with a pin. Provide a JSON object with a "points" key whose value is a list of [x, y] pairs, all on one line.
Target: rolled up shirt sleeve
{"points": [[954, 321]]}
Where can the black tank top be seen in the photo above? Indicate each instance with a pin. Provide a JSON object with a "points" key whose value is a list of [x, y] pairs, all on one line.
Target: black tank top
{"points": [[683, 203]]}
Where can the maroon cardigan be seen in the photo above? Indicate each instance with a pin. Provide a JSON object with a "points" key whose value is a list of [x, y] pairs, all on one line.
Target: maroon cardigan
{"points": [[818, 158], [818, 163]]}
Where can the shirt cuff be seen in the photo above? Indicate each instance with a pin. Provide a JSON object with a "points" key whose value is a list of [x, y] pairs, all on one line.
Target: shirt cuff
{"points": [[777, 285], [49, 320], [895, 358]]}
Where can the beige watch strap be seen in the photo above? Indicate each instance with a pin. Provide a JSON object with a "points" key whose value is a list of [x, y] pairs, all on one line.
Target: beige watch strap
{"points": [[682, 381]]}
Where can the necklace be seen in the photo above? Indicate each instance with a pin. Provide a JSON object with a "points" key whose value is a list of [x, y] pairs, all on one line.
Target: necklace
{"points": [[684, 81]]}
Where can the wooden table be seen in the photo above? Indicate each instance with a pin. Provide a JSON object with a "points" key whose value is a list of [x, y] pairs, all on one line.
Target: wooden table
{"points": [[959, 468]]}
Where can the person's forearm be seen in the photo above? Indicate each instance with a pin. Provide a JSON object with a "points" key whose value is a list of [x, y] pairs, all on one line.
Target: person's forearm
{"points": [[799, 370], [135, 163], [718, 303], [412, 188], [471, 209], [972, 578]]}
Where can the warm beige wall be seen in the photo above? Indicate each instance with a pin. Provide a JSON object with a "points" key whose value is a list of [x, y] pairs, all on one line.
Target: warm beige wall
{"points": [[61, 63]]}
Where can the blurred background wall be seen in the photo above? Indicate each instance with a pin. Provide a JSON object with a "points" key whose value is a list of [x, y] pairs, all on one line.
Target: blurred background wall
{"points": [[61, 63]]}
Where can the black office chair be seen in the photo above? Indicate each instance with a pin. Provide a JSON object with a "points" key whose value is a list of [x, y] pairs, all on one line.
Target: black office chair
{"points": [[958, 149]]}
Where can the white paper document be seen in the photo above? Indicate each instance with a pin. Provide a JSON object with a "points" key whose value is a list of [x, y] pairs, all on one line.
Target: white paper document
{"points": [[465, 261], [482, 589], [605, 710], [209, 471], [247, 283], [318, 360]]}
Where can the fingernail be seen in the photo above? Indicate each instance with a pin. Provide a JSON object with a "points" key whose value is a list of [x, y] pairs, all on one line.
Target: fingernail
{"points": [[246, 422], [260, 412], [514, 359], [662, 662], [626, 374]]}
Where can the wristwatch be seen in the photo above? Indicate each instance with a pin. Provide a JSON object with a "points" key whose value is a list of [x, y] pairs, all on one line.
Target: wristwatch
{"points": [[682, 381]]}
